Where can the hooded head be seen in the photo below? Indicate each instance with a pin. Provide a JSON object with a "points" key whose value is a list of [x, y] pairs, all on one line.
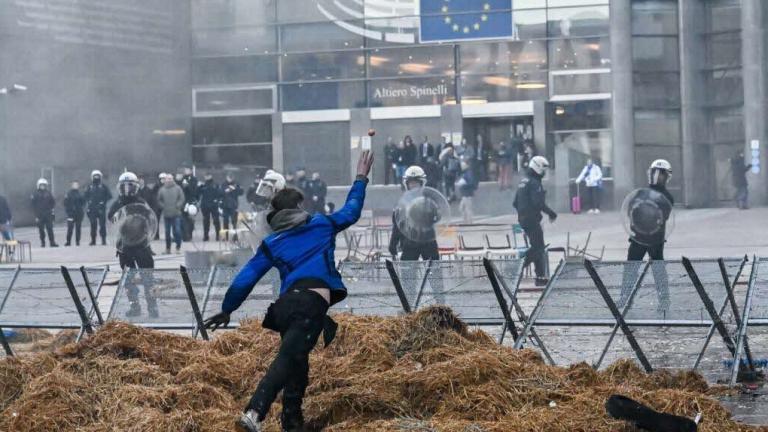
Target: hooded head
{"points": [[286, 210]]}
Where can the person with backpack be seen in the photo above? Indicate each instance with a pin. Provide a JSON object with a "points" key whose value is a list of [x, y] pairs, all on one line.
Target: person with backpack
{"points": [[592, 176], [451, 166]]}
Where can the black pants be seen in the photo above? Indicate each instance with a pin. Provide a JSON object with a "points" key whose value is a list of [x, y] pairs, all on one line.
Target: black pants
{"points": [[450, 186], [593, 198], [139, 258], [98, 220], [299, 317], [655, 252], [74, 224], [45, 225], [208, 214], [158, 214], [187, 227], [229, 216], [413, 251], [536, 254]]}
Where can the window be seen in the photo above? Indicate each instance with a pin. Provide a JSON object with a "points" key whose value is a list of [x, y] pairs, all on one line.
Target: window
{"points": [[656, 90], [582, 146], [259, 156], [657, 127], [561, 3], [724, 50], [503, 57], [232, 130], [315, 96], [499, 88], [570, 116], [232, 70], [654, 17], [576, 22], [589, 53], [394, 62], [727, 125], [581, 83], [323, 66], [724, 87], [240, 100], [530, 24], [724, 15], [655, 53]]}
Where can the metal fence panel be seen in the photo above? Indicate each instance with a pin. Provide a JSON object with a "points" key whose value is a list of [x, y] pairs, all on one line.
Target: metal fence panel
{"points": [[40, 298], [161, 290], [264, 293], [465, 287], [370, 290]]}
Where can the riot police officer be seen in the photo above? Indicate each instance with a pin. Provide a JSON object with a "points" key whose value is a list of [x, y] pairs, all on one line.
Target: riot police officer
{"points": [[96, 197], [138, 255], [189, 185], [651, 241], [43, 205], [413, 249], [230, 201], [74, 204], [530, 202], [210, 199]]}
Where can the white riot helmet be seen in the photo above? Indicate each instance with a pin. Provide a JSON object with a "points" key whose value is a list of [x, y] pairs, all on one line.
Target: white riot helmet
{"points": [[95, 173], [414, 173], [659, 172], [272, 183], [42, 182], [128, 184], [539, 165]]}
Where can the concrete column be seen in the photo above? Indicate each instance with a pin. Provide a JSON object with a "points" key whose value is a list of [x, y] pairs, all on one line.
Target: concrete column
{"points": [[623, 130], [698, 183], [278, 164], [755, 111]]}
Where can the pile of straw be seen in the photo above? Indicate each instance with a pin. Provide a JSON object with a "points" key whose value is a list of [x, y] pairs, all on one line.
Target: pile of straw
{"points": [[424, 372]]}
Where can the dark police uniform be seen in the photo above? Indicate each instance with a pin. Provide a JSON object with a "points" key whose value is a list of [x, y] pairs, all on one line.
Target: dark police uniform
{"points": [[530, 202], [74, 205], [97, 196], [210, 199], [653, 245], [43, 205]]}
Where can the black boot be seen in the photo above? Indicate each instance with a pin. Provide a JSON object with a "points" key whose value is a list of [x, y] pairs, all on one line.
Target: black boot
{"points": [[67, 244], [93, 242], [103, 241]]}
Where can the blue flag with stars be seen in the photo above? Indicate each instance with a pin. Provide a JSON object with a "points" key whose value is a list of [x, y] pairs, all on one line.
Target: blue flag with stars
{"points": [[449, 20]]}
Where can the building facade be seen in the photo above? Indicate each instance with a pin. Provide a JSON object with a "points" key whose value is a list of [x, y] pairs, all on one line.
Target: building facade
{"points": [[297, 83]]}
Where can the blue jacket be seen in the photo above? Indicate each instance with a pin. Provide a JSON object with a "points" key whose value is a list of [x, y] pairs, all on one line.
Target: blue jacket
{"points": [[304, 252]]}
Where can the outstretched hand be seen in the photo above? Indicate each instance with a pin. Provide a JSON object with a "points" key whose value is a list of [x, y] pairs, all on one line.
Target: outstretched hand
{"points": [[365, 163], [213, 323]]}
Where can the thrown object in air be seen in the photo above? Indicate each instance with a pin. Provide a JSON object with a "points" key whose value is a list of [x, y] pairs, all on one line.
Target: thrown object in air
{"points": [[419, 212], [371, 132], [647, 419]]}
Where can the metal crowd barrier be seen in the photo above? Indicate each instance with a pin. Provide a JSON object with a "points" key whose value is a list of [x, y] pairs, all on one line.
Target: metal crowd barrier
{"points": [[666, 313]]}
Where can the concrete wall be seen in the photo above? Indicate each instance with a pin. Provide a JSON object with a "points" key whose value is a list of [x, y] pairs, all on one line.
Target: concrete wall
{"points": [[102, 77]]}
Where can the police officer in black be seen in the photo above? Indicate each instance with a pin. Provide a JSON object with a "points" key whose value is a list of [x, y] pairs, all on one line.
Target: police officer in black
{"points": [[74, 205], [96, 197], [210, 199], [651, 241], [189, 185], [231, 192], [138, 255], [43, 205], [530, 202], [414, 177]]}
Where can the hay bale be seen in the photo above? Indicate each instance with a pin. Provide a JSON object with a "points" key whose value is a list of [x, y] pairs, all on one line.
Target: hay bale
{"points": [[27, 335], [423, 372], [55, 342]]}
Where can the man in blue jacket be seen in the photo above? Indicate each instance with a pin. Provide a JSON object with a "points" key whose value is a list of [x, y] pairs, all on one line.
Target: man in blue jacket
{"points": [[302, 248]]}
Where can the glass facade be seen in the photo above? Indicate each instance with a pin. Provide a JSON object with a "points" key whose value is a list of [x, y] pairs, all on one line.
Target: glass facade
{"points": [[322, 54]]}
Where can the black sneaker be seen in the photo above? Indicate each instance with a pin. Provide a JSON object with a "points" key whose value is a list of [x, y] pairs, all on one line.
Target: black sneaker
{"points": [[67, 244], [540, 282], [92, 243], [103, 242], [54, 245]]}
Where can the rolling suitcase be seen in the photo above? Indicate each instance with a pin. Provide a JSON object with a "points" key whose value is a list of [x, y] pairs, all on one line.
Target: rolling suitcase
{"points": [[576, 202]]}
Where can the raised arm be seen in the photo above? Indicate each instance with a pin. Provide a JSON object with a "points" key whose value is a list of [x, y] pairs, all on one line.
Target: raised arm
{"points": [[245, 280], [353, 207]]}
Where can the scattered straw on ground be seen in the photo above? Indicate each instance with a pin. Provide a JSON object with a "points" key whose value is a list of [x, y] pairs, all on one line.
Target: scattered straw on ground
{"points": [[425, 372]]}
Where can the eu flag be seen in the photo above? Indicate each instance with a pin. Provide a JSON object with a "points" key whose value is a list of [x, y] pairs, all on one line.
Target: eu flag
{"points": [[448, 20]]}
